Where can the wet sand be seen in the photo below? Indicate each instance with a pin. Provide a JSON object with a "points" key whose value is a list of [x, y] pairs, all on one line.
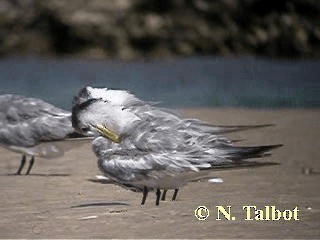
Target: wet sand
{"points": [[58, 201]]}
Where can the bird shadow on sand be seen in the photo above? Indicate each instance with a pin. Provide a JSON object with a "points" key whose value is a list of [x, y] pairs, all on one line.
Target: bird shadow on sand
{"points": [[100, 204], [39, 175], [102, 181]]}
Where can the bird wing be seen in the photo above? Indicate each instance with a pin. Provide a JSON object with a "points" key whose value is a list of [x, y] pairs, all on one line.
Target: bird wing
{"points": [[169, 116], [136, 165]]}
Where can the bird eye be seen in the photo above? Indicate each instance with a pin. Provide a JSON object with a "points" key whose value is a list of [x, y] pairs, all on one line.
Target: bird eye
{"points": [[85, 129]]}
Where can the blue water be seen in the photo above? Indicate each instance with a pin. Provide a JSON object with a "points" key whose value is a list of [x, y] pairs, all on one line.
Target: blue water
{"points": [[183, 82]]}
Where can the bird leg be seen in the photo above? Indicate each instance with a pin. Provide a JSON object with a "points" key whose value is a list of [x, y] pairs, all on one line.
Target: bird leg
{"points": [[145, 194], [30, 165], [23, 162], [158, 194], [175, 194], [164, 195]]}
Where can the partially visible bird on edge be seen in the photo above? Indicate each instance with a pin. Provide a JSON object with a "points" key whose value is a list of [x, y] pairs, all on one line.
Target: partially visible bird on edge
{"points": [[35, 128], [143, 147]]}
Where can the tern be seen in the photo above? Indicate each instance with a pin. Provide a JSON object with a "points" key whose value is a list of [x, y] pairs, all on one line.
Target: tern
{"points": [[35, 128], [143, 147]]}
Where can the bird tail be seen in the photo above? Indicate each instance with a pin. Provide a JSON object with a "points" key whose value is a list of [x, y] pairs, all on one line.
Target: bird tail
{"points": [[242, 153], [241, 164], [238, 157]]}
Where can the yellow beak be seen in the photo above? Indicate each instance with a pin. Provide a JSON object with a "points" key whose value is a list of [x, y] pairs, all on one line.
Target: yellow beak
{"points": [[107, 133]]}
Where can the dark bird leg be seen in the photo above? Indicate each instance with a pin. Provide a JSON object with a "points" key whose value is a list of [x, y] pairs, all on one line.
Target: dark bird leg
{"points": [[175, 194], [30, 165], [164, 195], [158, 194], [145, 194], [23, 162]]}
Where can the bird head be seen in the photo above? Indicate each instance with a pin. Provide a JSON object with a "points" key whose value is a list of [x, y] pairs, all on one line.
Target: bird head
{"points": [[102, 112]]}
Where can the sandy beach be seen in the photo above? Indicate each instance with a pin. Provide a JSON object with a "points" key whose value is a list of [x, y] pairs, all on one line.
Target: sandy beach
{"points": [[58, 200]]}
